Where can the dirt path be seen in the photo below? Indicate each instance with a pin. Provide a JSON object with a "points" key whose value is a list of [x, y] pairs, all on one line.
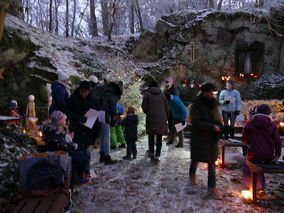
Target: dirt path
{"points": [[140, 186]]}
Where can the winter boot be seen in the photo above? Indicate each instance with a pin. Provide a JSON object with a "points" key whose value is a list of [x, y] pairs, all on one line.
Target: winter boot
{"points": [[102, 157], [213, 193], [157, 160], [226, 132], [192, 179], [121, 146], [134, 155], [179, 145], [232, 132], [170, 142], [109, 161], [128, 156]]}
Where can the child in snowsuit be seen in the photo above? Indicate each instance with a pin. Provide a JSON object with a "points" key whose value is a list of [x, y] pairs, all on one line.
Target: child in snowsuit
{"points": [[14, 112], [130, 123]]}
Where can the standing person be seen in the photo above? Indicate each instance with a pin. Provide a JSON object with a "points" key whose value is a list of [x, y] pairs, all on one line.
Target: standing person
{"points": [[205, 128], [80, 102], [170, 89], [14, 112], [60, 93], [116, 130], [130, 122], [31, 115], [179, 112], [230, 100], [264, 143], [155, 106], [108, 101]]}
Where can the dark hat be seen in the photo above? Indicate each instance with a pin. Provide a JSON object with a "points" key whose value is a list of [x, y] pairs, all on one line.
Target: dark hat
{"points": [[264, 109], [85, 85], [131, 110], [207, 87], [153, 83]]}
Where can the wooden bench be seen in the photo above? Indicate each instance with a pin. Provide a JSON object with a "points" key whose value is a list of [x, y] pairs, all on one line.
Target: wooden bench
{"points": [[257, 167], [227, 143], [53, 203]]}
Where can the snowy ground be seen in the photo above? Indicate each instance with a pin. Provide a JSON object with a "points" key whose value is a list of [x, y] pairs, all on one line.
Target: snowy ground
{"points": [[140, 186]]}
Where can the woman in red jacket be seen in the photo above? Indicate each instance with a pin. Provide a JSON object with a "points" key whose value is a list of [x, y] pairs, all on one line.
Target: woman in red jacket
{"points": [[263, 140]]}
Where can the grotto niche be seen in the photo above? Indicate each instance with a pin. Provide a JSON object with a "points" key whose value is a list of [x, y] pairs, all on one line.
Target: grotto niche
{"points": [[249, 60]]}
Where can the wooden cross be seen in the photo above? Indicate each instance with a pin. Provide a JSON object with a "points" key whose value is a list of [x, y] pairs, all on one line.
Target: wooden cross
{"points": [[192, 47]]}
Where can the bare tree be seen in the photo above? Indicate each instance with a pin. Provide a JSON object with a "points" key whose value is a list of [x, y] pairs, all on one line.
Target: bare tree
{"points": [[259, 3], [131, 15], [211, 4], [219, 7], [74, 16], [138, 13], [114, 9], [105, 16], [56, 6], [94, 25], [4, 5], [16, 8], [67, 19], [50, 16]]}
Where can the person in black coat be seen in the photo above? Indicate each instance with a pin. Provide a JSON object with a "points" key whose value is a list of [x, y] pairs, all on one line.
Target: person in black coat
{"points": [[130, 133], [80, 102], [108, 101], [205, 128]]}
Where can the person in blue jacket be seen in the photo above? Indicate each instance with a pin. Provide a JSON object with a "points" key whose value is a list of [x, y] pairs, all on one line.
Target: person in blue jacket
{"points": [[179, 112], [60, 93], [230, 101]]}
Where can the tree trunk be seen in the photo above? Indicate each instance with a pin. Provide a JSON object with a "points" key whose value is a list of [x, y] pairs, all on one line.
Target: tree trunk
{"points": [[138, 13], [16, 8], [67, 19], [56, 16], [211, 4], [219, 7], [259, 3], [50, 16], [114, 9], [74, 16], [105, 16], [131, 17], [94, 25], [4, 5]]}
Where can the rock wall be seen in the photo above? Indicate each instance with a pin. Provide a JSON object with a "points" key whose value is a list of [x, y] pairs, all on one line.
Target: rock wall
{"points": [[206, 45]]}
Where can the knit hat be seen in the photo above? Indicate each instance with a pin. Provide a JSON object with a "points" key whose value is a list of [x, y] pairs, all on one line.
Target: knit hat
{"points": [[31, 97], [169, 80], [13, 103], [62, 76], [131, 110], [264, 109], [153, 83], [207, 87], [93, 79], [85, 85], [252, 111], [57, 117]]}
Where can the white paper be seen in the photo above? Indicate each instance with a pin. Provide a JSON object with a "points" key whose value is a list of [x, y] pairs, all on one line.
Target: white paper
{"points": [[230, 98], [180, 127], [7, 118], [92, 116], [234, 140], [281, 161]]}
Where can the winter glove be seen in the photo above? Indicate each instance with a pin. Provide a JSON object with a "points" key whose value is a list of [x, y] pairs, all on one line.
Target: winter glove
{"points": [[227, 102], [237, 112], [83, 119], [75, 146], [183, 122]]}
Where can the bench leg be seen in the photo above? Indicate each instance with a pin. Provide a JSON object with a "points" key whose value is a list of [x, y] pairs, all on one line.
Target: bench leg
{"points": [[222, 155], [253, 185]]}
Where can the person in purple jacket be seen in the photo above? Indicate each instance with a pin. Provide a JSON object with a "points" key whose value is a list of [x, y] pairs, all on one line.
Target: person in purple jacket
{"points": [[264, 144], [130, 122]]}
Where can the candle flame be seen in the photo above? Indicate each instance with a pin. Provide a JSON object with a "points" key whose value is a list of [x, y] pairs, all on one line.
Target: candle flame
{"points": [[24, 131], [218, 162], [246, 194], [40, 133], [281, 124]]}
